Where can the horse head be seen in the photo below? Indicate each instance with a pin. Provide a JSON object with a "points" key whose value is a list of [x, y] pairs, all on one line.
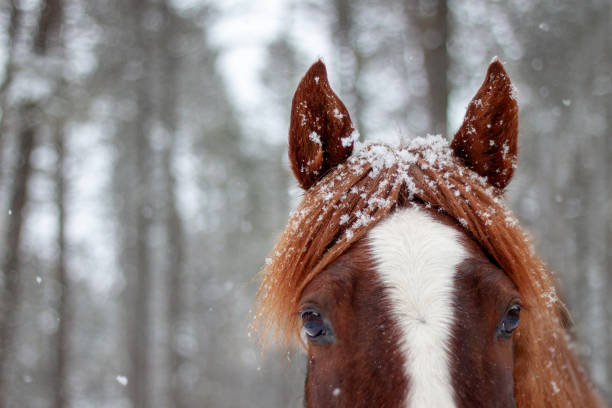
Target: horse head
{"points": [[402, 273]]}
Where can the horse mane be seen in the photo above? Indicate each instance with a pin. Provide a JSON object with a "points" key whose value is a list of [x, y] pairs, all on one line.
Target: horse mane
{"points": [[353, 196]]}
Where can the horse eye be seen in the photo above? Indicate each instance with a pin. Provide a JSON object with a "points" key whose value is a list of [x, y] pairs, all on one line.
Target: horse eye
{"points": [[313, 323], [510, 321]]}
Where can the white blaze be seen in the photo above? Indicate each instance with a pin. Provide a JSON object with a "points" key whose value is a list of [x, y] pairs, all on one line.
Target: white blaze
{"points": [[417, 259]]}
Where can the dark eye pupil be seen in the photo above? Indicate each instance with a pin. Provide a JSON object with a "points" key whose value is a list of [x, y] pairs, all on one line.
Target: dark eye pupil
{"points": [[313, 324]]}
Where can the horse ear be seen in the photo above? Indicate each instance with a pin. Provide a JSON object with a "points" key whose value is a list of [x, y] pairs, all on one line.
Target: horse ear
{"points": [[321, 133], [487, 139]]}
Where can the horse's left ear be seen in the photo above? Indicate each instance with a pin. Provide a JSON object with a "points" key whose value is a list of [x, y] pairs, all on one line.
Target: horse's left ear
{"points": [[487, 139], [321, 133]]}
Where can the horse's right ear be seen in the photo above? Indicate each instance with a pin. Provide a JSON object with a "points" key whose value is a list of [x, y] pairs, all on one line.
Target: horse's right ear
{"points": [[321, 133]]}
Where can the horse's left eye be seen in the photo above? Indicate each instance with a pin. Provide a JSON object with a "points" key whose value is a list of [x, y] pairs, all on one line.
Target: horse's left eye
{"points": [[510, 321]]}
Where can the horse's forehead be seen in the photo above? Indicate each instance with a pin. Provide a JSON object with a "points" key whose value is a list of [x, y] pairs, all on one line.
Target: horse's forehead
{"points": [[417, 258]]}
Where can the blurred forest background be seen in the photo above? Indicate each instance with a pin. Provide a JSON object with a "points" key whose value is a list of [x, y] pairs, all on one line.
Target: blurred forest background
{"points": [[143, 173]]}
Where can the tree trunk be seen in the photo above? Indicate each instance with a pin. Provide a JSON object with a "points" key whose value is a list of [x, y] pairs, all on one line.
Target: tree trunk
{"points": [[432, 25], [49, 25], [14, 23], [350, 61], [63, 308], [174, 275], [175, 255], [139, 331], [606, 171], [11, 264], [47, 35]]}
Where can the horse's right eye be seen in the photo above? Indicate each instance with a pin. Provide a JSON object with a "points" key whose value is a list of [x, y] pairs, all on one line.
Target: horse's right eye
{"points": [[313, 323], [317, 329], [510, 321]]}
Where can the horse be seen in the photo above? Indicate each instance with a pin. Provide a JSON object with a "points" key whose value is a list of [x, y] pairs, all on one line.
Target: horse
{"points": [[403, 274]]}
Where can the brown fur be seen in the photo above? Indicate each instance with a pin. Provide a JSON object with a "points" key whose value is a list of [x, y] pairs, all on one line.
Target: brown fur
{"points": [[487, 139], [545, 371], [316, 108], [349, 293], [482, 363]]}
